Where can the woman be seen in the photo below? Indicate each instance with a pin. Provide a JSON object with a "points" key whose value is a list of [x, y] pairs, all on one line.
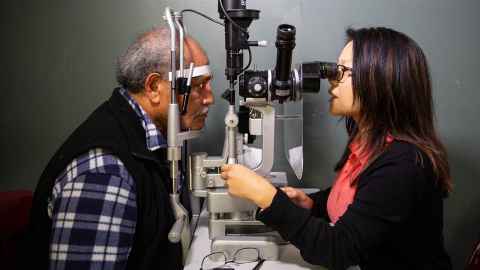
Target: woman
{"points": [[385, 208]]}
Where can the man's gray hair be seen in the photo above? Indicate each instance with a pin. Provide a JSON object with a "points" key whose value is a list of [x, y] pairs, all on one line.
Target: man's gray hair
{"points": [[149, 53]]}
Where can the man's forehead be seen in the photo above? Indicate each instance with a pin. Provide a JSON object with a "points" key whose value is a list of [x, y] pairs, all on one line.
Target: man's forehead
{"points": [[194, 53], [201, 79], [198, 59], [201, 60]]}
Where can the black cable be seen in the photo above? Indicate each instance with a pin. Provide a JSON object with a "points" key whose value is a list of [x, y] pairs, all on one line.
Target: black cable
{"points": [[230, 19], [249, 60], [184, 161], [222, 24], [201, 14]]}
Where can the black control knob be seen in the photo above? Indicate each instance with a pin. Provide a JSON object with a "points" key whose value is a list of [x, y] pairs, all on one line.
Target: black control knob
{"points": [[257, 86]]}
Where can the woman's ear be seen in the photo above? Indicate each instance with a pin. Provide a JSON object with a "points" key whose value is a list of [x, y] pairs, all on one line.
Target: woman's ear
{"points": [[153, 87]]}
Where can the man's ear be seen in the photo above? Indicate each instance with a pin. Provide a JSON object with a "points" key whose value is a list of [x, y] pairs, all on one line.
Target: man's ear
{"points": [[153, 87]]}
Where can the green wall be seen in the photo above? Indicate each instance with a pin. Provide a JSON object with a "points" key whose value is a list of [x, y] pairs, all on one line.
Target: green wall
{"points": [[57, 65]]}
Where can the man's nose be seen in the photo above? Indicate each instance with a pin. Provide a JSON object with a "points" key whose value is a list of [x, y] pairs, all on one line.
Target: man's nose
{"points": [[208, 98]]}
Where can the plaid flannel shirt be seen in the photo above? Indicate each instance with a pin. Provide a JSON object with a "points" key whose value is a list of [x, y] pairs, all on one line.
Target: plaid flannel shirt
{"points": [[93, 207]]}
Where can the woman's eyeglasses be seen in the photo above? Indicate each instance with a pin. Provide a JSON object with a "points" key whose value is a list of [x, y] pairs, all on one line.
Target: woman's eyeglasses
{"points": [[340, 74], [218, 260]]}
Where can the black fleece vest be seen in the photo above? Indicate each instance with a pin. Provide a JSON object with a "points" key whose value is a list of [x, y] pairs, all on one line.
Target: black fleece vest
{"points": [[115, 126]]}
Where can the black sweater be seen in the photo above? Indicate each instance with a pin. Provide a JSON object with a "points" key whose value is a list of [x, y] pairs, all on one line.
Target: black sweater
{"points": [[394, 222]]}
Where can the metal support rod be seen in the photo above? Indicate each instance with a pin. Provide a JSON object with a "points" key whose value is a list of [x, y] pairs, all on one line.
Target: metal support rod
{"points": [[173, 64], [173, 175], [232, 93], [181, 31], [231, 121]]}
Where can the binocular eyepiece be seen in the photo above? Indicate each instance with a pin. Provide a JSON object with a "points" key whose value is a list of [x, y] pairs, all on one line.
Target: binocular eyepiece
{"points": [[285, 44], [312, 72], [284, 84]]}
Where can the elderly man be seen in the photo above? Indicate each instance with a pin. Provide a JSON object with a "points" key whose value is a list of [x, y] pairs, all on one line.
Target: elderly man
{"points": [[102, 202]]}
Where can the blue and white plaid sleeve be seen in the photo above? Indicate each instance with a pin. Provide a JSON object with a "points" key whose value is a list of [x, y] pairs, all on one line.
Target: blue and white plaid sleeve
{"points": [[94, 213]]}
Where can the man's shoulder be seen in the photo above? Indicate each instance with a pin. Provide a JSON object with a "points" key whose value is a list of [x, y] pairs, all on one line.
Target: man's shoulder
{"points": [[100, 130], [102, 121], [96, 163]]}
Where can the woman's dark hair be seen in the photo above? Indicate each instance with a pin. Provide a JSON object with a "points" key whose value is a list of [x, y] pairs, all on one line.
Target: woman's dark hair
{"points": [[391, 81]]}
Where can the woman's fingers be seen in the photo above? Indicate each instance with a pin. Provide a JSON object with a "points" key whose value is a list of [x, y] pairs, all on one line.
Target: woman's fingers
{"points": [[291, 192], [225, 171], [225, 167], [298, 197]]}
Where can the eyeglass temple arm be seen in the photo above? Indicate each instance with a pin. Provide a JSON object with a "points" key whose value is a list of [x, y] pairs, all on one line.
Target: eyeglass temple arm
{"points": [[259, 264]]}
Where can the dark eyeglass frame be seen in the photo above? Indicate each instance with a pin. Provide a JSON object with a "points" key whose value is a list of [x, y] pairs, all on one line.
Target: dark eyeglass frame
{"points": [[259, 260], [341, 69]]}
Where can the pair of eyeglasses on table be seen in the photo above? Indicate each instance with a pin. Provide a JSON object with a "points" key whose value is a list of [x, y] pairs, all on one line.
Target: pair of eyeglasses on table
{"points": [[218, 260]]}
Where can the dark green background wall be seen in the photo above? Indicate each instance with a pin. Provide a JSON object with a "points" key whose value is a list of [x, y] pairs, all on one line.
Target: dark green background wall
{"points": [[57, 64]]}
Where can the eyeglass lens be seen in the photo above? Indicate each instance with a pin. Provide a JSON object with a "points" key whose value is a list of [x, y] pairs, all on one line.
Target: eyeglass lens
{"points": [[241, 256], [214, 260], [246, 255]]}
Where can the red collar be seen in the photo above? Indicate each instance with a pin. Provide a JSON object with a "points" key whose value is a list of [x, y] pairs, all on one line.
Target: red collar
{"points": [[359, 152]]}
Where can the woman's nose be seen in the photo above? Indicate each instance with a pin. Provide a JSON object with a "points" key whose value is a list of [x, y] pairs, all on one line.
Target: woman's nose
{"points": [[332, 82], [331, 89]]}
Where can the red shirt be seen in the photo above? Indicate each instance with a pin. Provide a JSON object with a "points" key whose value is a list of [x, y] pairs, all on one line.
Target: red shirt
{"points": [[343, 192]]}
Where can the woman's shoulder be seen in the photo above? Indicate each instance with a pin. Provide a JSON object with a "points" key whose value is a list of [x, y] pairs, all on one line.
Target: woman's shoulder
{"points": [[402, 158], [405, 153], [402, 170]]}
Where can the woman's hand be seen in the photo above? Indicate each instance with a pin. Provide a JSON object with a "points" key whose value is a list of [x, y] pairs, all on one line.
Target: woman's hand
{"points": [[244, 183], [298, 197]]}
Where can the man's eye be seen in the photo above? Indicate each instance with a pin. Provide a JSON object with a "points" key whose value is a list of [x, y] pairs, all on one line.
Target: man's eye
{"points": [[198, 86]]}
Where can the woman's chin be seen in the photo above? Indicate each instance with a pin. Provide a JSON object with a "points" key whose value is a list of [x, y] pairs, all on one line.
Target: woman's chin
{"points": [[334, 112]]}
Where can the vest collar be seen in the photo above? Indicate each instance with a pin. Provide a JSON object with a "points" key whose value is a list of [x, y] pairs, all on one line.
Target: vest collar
{"points": [[132, 127]]}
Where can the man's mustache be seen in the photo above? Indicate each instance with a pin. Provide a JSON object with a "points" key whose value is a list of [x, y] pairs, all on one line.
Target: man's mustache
{"points": [[203, 112]]}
